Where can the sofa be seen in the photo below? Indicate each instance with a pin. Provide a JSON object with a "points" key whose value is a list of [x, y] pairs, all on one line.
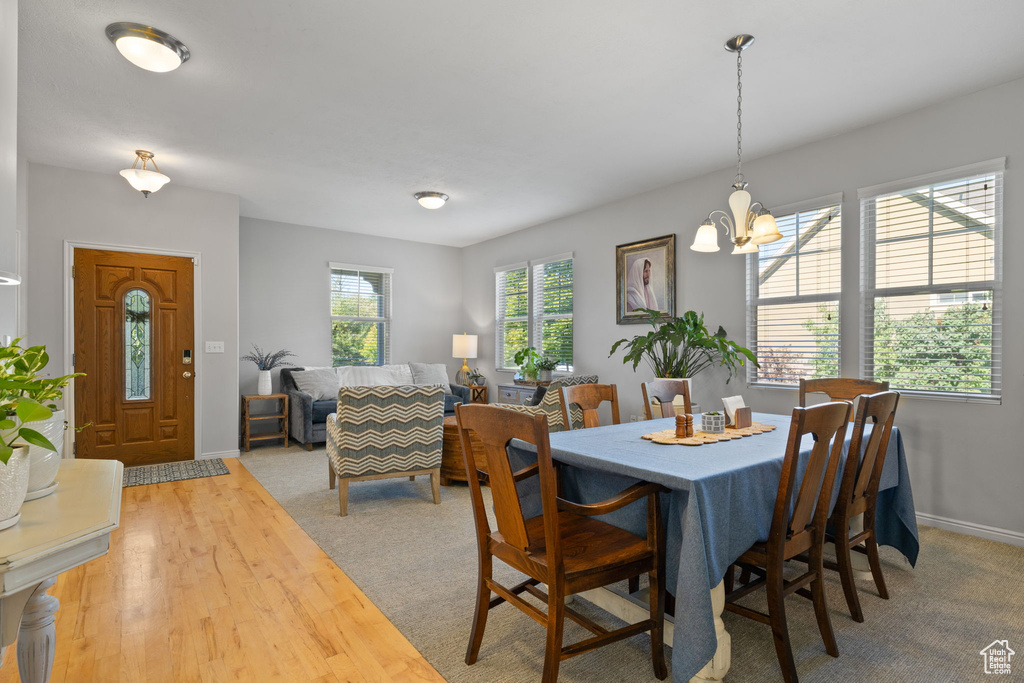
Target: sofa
{"points": [[307, 412]]}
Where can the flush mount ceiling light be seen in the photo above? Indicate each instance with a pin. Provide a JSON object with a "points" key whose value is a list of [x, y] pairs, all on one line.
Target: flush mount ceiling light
{"points": [[431, 200], [750, 224], [147, 47], [142, 179]]}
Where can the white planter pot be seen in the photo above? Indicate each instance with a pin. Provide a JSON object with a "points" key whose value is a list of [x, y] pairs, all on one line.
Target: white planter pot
{"points": [[544, 375], [712, 424], [44, 463], [264, 387], [13, 487]]}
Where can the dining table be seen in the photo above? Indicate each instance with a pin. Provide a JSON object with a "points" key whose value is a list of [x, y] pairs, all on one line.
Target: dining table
{"points": [[719, 501]]}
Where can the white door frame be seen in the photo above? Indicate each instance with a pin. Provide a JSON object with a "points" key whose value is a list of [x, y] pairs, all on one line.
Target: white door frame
{"points": [[69, 334]]}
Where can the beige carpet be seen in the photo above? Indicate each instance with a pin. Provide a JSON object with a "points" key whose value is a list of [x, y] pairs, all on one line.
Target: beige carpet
{"points": [[417, 562]]}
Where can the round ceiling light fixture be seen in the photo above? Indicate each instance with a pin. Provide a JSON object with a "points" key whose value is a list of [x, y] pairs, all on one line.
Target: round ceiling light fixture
{"points": [[147, 47], [431, 200], [142, 179], [8, 278]]}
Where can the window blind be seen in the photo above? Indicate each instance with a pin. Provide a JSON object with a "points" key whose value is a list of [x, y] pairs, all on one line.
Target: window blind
{"points": [[360, 315], [931, 280], [793, 288], [511, 314], [552, 310]]}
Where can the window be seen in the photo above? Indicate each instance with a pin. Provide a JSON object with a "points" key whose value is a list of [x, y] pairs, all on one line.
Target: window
{"points": [[793, 288], [543, 320], [360, 314], [931, 280]]}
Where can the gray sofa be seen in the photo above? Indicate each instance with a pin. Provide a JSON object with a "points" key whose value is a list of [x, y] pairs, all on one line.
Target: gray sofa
{"points": [[307, 419]]}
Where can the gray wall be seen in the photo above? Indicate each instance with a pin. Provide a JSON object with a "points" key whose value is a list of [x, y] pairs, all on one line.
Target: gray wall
{"points": [[9, 258], [285, 293], [103, 209], [966, 460]]}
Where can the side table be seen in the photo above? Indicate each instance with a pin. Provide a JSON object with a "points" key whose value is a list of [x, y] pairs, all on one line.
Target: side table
{"points": [[477, 393], [248, 418], [453, 466]]}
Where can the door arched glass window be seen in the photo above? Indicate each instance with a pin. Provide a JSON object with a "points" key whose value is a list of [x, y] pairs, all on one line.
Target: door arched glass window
{"points": [[137, 344]]}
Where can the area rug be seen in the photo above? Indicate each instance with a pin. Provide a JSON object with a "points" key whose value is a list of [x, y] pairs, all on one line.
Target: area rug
{"points": [[417, 562], [173, 471]]}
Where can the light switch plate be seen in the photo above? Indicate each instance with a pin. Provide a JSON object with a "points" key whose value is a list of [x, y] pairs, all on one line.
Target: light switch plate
{"points": [[215, 347]]}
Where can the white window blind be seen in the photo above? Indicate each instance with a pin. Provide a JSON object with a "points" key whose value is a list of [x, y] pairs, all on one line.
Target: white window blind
{"points": [[552, 310], [511, 313], [360, 314], [793, 288], [931, 280]]}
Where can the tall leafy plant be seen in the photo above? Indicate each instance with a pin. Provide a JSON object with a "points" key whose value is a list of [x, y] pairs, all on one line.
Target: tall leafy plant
{"points": [[683, 347], [26, 396]]}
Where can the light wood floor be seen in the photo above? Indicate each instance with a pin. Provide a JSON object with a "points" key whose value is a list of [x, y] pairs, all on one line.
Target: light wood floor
{"points": [[211, 580]]}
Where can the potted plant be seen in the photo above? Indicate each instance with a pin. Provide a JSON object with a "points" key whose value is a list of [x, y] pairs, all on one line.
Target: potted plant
{"points": [[25, 366], [476, 378], [265, 362], [545, 365], [17, 409], [681, 347], [527, 360]]}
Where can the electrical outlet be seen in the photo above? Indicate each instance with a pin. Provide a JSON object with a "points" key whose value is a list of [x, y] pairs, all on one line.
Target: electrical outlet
{"points": [[215, 347]]}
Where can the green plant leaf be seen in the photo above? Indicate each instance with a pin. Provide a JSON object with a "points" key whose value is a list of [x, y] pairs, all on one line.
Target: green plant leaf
{"points": [[7, 424], [30, 411], [5, 453], [34, 438]]}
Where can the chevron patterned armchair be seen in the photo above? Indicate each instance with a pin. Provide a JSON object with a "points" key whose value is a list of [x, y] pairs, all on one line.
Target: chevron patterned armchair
{"points": [[385, 432], [551, 403]]}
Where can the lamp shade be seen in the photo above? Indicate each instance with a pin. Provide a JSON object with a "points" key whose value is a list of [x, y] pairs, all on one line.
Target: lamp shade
{"points": [[145, 181], [739, 204], [766, 230], [463, 346], [706, 239]]}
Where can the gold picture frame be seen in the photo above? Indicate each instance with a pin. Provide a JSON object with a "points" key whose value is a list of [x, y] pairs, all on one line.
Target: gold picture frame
{"points": [[645, 277]]}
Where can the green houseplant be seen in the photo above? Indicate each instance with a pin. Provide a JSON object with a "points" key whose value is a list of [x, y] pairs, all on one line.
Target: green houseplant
{"points": [[527, 360], [545, 365], [682, 347]]}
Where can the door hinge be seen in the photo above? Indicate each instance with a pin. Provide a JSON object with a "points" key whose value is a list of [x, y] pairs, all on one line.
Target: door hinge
{"points": [[73, 362], [72, 271]]}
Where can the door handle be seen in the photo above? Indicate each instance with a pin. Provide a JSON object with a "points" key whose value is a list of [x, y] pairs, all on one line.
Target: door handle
{"points": [[186, 374]]}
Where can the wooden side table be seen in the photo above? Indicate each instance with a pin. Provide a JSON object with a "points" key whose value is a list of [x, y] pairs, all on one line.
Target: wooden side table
{"points": [[477, 393], [248, 418], [453, 467]]}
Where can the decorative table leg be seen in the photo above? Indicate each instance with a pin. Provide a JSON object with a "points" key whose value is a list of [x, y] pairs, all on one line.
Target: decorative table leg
{"points": [[718, 667], [37, 638]]}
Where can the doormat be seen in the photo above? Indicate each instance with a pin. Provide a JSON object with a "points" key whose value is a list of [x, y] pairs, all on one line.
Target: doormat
{"points": [[173, 471]]}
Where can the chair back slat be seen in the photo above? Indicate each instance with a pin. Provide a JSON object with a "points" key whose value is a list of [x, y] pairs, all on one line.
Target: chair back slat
{"points": [[495, 428], [665, 390], [827, 424], [589, 398], [861, 474], [839, 388]]}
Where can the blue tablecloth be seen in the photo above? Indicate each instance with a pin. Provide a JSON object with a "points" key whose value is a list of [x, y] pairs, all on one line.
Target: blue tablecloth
{"points": [[721, 502]]}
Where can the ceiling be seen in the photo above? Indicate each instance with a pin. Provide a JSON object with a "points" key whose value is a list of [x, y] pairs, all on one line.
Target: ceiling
{"points": [[332, 114]]}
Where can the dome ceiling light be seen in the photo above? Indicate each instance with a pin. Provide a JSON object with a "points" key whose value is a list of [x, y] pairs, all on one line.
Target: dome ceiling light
{"points": [[431, 200], [8, 278], [147, 47], [142, 179]]}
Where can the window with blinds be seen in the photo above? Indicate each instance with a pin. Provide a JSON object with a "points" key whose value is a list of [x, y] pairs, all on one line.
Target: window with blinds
{"points": [[533, 307], [793, 288], [512, 314], [360, 314], [931, 280], [552, 310]]}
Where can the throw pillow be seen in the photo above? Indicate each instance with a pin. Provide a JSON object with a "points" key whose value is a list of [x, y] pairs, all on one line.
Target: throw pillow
{"points": [[430, 373], [320, 384]]}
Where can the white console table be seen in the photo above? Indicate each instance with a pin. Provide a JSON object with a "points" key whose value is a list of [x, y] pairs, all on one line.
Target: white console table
{"points": [[63, 530]]}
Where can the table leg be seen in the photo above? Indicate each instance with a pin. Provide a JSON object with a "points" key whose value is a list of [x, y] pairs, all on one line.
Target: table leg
{"points": [[37, 638], [718, 667]]}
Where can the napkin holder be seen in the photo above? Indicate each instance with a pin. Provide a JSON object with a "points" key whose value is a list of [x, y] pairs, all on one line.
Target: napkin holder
{"points": [[741, 418]]}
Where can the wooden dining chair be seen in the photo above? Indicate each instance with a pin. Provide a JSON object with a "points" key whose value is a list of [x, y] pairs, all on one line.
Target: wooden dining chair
{"points": [[797, 528], [839, 388], [564, 547], [665, 390], [589, 398], [858, 493]]}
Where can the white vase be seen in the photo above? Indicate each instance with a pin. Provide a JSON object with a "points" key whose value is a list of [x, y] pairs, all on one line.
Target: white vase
{"points": [[264, 387], [13, 487], [44, 463]]}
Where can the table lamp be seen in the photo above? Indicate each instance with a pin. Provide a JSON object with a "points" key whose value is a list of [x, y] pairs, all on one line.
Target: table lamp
{"points": [[464, 347]]}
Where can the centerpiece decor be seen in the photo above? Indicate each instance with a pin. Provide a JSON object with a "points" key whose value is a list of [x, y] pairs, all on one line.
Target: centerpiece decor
{"points": [[265, 362]]}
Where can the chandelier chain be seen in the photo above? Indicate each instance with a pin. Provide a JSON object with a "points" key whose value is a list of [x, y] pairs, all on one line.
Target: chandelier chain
{"points": [[739, 115]]}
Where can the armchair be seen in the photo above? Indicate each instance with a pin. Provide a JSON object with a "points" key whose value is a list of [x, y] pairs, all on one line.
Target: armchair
{"points": [[385, 432], [550, 403]]}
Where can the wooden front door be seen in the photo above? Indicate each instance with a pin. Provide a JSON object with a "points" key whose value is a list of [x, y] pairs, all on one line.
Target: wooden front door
{"points": [[133, 335]]}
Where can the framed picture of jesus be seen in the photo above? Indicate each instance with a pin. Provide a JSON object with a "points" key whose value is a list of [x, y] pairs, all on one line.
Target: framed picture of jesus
{"points": [[645, 277]]}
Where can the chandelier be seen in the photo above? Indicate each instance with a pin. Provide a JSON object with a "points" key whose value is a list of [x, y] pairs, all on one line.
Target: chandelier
{"points": [[751, 224], [143, 179]]}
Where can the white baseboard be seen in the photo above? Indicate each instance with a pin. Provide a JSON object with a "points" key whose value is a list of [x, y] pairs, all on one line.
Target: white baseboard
{"points": [[971, 529], [218, 454]]}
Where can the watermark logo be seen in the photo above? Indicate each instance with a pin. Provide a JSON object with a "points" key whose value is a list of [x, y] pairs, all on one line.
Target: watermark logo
{"points": [[997, 657]]}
